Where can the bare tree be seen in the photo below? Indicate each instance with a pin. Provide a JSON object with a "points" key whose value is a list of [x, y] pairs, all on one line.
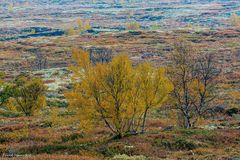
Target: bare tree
{"points": [[100, 55], [206, 72], [193, 78]]}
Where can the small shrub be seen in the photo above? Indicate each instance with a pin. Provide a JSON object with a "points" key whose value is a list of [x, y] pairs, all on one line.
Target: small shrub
{"points": [[71, 137], [107, 152], [179, 143], [163, 143]]}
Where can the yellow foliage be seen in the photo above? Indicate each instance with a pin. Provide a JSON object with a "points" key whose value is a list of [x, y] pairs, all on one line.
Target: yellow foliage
{"points": [[235, 98], [196, 87], [57, 119], [79, 27], [11, 105], [155, 85], [115, 93], [29, 95], [200, 121], [70, 31], [133, 26], [235, 95], [83, 25]]}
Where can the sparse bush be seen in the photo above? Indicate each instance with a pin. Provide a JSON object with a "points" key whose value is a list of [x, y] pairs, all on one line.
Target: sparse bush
{"points": [[163, 143], [181, 143]]}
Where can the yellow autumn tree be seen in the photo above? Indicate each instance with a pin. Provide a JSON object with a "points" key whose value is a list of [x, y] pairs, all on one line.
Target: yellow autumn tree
{"points": [[133, 26], [155, 87], [70, 31], [83, 25], [78, 27], [29, 94], [114, 93]]}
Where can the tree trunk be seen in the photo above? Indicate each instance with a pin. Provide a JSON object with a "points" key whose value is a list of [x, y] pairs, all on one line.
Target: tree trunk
{"points": [[28, 114], [144, 120], [187, 122]]}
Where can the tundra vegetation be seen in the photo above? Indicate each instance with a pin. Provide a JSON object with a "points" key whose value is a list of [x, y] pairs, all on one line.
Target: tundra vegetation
{"points": [[115, 109], [128, 80]]}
